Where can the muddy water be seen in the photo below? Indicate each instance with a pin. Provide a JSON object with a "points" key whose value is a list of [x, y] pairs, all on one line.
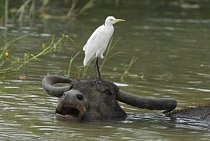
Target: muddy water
{"points": [[172, 45]]}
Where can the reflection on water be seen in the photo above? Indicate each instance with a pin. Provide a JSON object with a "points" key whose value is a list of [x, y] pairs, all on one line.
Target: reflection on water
{"points": [[173, 50]]}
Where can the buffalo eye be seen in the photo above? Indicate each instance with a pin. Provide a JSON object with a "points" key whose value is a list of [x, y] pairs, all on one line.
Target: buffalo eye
{"points": [[108, 92]]}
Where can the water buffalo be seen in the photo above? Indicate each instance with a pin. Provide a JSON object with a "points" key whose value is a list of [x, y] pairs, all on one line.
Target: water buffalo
{"points": [[83, 99]]}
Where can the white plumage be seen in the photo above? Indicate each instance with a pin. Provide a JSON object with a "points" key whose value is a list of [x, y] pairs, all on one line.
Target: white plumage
{"points": [[98, 41]]}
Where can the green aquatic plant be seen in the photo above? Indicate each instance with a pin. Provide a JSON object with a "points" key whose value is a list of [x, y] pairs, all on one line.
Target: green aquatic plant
{"points": [[6, 11], [10, 63], [27, 10], [27, 7], [77, 8], [109, 54], [18, 10], [7, 61], [70, 63], [128, 67], [80, 70]]}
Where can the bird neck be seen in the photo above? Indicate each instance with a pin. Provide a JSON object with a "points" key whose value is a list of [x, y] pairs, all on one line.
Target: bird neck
{"points": [[108, 25]]}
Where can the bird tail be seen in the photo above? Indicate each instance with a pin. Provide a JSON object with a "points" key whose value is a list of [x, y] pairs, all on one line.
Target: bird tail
{"points": [[85, 62], [84, 48], [88, 58]]}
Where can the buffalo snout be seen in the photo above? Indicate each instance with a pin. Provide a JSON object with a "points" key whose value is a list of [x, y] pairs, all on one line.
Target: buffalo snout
{"points": [[72, 97], [72, 104]]}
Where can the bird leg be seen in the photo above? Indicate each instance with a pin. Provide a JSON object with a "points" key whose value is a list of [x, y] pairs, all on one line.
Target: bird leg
{"points": [[97, 74], [95, 71], [97, 66]]}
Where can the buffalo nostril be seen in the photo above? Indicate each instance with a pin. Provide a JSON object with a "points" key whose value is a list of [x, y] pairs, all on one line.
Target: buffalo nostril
{"points": [[80, 97]]}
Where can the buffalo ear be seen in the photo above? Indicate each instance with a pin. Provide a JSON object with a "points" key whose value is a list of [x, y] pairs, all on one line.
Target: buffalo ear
{"points": [[52, 90], [167, 104]]}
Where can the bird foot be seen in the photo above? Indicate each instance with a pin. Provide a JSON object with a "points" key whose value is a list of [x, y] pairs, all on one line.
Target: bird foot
{"points": [[98, 81]]}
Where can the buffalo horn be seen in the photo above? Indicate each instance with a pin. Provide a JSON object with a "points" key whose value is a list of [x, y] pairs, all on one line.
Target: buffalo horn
{"points": [[167, 104], [48, 82]]}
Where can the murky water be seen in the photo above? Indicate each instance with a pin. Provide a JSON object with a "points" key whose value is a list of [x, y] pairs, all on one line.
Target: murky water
{"points": [[172, 45]]}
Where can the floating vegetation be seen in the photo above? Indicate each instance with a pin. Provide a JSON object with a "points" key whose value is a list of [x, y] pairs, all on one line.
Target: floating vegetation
{"points": [[9, 63]]}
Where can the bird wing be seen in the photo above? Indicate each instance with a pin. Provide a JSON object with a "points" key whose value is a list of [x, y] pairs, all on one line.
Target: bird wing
{"points": [[93, 44], [93, 37]]}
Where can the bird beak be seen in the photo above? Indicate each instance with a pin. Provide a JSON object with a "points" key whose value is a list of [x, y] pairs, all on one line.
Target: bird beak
{"points": [[118, 20]]}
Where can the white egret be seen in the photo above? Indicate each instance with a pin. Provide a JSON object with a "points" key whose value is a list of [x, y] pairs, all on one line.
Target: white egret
{"points": [[98, 42]]}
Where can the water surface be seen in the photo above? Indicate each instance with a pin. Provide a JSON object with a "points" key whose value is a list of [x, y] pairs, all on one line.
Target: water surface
{"points": [[172, 46]]}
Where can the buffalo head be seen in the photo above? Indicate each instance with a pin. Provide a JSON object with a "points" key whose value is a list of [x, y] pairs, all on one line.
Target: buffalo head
{"points": [[83, 99]]}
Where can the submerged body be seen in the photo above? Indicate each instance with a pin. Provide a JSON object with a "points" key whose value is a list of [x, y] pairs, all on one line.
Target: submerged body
{"points": [[201, 113]]}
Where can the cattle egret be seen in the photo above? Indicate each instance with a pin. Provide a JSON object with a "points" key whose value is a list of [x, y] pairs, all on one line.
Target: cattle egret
{"points": [[98, 42]]}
